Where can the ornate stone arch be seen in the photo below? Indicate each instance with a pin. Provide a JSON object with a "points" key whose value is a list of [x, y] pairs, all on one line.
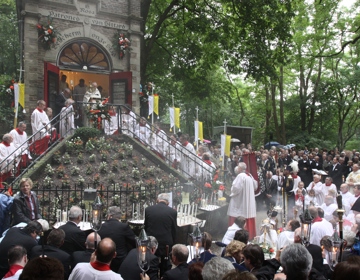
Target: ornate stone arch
{"points": [[84, 54]]}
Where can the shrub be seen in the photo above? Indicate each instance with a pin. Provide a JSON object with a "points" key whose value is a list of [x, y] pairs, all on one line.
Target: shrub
{"points": [[85, 133]]}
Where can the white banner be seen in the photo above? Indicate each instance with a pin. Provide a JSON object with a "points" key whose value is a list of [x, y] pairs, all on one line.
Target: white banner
{"points": [[16, 98], [223, 142], [196, 127], [151, 104], [172, 117]]}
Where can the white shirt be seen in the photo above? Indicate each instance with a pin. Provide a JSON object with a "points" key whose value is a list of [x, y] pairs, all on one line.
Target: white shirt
{"points": [[329, 210], [285, 238], [84, 271], [230, 233]]}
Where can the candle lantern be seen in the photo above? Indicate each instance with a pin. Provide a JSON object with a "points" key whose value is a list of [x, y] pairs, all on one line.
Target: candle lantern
{"points": [[96, 216], [306, 220], [196, 240], [142, 243]]}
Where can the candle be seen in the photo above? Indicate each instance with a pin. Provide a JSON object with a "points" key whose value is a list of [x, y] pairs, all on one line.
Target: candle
{"points": [[58, 215], [143, 249], [64, 216], [133, 211], [197, 249], [334, 254], [196, 207]]}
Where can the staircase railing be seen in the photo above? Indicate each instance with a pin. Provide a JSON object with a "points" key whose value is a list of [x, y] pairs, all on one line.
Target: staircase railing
{"points": [[13, 167], [127, 122]]}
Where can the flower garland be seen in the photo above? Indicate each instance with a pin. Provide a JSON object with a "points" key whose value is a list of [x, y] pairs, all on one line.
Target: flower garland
{"points": [[46, 34], [124, 44], [98, 112]]}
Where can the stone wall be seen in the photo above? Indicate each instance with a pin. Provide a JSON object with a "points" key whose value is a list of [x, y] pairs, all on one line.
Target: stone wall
{"points": [[98, 20]]}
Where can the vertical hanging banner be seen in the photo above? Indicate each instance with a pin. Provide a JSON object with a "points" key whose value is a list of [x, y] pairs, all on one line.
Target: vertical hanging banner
{"points": [[223, 143], [177, 117], [156, 104], [227, 145], [22, 95], [201, 134], [151, 104], [172, 117], [196, 128]]}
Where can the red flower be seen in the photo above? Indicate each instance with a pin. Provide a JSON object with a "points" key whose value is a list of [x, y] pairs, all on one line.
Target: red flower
{"points": [[221, 187], [207, 185], [12, 87], [271, 250]]}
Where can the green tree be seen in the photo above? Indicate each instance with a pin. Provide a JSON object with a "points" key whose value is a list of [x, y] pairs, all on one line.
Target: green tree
{"points": [[9, 39]]}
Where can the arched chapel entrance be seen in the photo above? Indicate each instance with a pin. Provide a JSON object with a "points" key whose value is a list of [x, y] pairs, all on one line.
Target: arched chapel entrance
{"points": [[83, 58]]}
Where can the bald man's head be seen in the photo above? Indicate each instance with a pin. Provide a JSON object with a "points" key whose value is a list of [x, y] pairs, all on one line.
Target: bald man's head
{"points": [[90, 240], [105, 251]]}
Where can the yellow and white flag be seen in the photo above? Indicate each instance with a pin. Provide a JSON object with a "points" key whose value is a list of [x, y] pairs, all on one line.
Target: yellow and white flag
{"points": [[151, 104], [198, 131], [156, 104], [177, 117], [225, 145]]}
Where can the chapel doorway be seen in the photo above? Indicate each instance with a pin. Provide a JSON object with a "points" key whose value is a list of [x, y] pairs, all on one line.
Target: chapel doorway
{"points": [[85, 59]]}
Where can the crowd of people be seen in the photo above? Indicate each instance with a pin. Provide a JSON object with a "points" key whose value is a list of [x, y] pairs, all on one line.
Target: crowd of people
{"points": [[294, 182], [67, 252]]}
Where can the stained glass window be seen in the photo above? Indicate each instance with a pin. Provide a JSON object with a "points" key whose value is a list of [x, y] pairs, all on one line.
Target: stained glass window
{"points": [[83, 55]]}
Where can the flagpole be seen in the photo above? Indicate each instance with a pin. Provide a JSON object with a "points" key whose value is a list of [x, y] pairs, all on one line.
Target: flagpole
{"points": [[223, 159], [197, 121], [172, 95], [152, 93]]}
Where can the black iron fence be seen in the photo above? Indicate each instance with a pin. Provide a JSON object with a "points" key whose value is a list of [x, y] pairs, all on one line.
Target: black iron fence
{"points": [[132, 200]]}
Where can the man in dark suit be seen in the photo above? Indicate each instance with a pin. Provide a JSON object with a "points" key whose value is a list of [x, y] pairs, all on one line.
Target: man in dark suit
{"points": [[336, 172], [270, 190], [160, 222], [130, 269], [25, 237], [74, 237], [54, 241], [179, 255], [84, 256], [120, 233]]}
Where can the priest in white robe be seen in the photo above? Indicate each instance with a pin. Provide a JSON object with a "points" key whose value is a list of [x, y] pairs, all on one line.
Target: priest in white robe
{"points": [[172, 154], [20, 139], [242, 202], [143, 131], [317, 186], [128, 122], [159, 140], [188, 157], [9, 158], [111, 126], [206, 169], [67, 125], [41, 126]]}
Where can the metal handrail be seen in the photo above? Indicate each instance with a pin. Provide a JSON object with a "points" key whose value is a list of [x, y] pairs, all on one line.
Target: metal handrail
{"points": [[11, 162], [191, 165]]}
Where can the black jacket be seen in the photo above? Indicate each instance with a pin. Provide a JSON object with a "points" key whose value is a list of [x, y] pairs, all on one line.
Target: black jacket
{"points": [[53, 252], [20, 210], [74, 238], [122, 235], [181, 272], [81, 256], [160, 222], [130, 269], [15, 236]]}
